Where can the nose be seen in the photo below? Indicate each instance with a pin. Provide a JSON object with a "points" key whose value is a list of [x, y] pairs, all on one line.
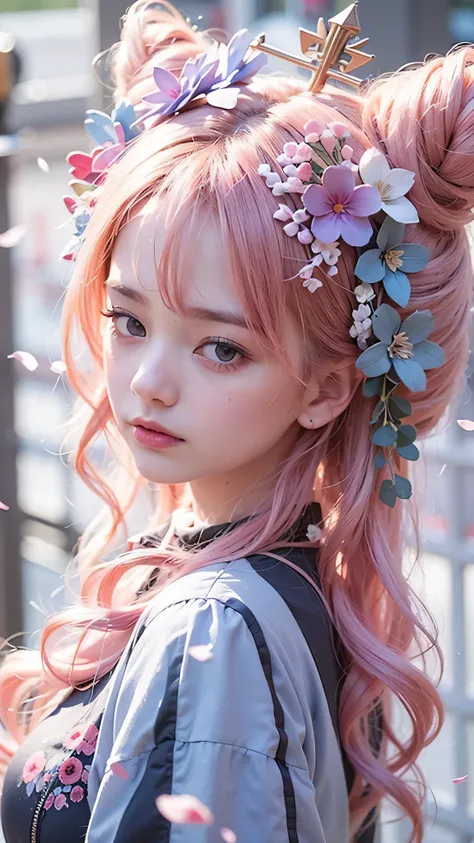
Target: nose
{"points": [[154, 380]]}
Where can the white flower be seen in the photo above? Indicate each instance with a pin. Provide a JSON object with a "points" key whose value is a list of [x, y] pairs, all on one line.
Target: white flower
{"points": [[329, 251], [291, 170], [362, 327], [391, 184], [279, 188], [301, 215], [312, 284], [291, 229], [305, 236], [295, 185], [284, 213], [284, 160], [270, 178], [364, 292], [314, 532]]}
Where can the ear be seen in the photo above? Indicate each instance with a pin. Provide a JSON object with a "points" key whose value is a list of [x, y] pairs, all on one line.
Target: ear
{"points": [[328, 395]]}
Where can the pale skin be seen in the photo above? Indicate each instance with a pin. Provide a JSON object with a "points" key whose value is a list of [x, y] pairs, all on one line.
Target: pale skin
{"points": [[237, 408]]}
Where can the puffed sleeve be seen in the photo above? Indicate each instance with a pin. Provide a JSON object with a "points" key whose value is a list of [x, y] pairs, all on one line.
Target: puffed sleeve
{"points": [[175, 724]]}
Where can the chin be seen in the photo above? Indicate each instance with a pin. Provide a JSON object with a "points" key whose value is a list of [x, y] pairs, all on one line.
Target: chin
{"points": [[158, 468]]}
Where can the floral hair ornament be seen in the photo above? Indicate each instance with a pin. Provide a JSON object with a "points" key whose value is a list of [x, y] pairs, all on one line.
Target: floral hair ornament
{"points": [[366, 206], [211, 78]]}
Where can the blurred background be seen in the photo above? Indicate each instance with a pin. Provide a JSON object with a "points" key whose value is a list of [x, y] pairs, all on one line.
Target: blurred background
{"points": [[46, 84]]}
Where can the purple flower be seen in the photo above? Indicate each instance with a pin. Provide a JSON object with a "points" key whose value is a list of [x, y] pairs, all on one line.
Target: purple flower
{"points": [[221, 66], [340, 209]]}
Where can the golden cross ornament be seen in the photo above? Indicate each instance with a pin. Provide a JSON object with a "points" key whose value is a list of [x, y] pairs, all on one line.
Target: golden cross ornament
{"points": [[324, 50]]}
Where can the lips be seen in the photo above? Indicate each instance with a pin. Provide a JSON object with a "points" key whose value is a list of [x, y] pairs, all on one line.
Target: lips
{"points": [[154, 427]]}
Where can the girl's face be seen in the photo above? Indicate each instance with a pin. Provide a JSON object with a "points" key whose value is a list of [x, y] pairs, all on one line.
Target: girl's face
{"points": [[235, 409]]}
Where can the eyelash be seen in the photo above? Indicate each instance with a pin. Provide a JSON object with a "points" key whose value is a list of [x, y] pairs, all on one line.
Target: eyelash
{"points": [[221, 341]]}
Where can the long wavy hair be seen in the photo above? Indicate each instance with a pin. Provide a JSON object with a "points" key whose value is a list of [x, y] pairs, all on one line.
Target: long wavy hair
{"points": [[203, 162]]}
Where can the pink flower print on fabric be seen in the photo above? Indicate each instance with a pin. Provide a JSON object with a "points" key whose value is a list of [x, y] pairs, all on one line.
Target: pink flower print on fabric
{"points": [[60, 801], [340, 209], [85, 776], [77, 794], [73, 739], [33, 767], [49, 802], [89, 741], [70, 771]]}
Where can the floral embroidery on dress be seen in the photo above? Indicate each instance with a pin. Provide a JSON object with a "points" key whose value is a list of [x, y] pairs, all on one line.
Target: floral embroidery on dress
{"points": [[72, 774]]}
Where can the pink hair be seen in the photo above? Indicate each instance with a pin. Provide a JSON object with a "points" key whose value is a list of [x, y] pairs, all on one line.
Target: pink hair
{"points": [[206, 160]]}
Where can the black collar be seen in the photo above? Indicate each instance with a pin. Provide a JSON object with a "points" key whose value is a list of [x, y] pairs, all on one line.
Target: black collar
{"points": [[197, 537]]}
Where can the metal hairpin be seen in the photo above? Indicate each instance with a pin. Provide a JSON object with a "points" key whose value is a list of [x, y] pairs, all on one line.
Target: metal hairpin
{"points": [[324, 50]]}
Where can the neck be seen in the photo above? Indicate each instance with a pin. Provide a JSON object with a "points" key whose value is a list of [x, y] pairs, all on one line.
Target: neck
{"points": [[243, 491]]}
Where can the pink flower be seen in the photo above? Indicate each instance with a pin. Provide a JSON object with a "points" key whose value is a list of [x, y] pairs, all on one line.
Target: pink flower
{"points": [[303, 153], [340, 209], [73, 739], [49, 802], [290, 149], [304, 171], [85, 776], [70, 771], [314, 126], [33, 766], [77, 794], [60, 801], [89, 741], [339, 130], [47, 778]]}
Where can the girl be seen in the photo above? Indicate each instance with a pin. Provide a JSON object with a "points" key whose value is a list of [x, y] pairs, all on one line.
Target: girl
{"points": [[251, 304]]}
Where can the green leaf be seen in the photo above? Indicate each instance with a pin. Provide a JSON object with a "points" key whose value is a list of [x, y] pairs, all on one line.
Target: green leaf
{"points": [[377, 412], [379, 460], [408, 452], [388, 493], [399, 406], [372, 386], [403, 487], [384, 436], [406, 435]]}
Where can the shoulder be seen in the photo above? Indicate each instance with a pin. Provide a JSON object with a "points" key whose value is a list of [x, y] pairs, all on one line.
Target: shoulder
{"points": [[253, 589]]}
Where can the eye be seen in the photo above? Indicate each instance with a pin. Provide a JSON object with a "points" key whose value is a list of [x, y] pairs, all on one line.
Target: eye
{"points": [[125, 325], [222, 353]]}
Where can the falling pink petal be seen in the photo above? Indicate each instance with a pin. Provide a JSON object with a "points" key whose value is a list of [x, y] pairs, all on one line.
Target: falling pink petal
{"points": [[118, 770], [43, 165], [228, 835], [4, 506], [58, 366], [26, 358], [460, 779], [201, 652], [184, 809], [466, 424], [13, 236]]}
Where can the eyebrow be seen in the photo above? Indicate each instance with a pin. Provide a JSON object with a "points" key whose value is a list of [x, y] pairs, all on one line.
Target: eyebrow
{"points": [[203, 313]]}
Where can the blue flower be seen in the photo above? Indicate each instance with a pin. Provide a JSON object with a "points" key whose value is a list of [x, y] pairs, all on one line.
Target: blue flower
{"points": [[117, 129], [403, 345], [387, 262]]}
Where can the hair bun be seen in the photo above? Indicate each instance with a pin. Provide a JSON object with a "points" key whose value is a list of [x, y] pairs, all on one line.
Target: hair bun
{"points": [[423, 119], [151, 30]]}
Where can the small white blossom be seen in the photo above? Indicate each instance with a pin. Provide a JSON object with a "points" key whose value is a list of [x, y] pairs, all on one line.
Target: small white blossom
{"points": [[284, 213], [364, 292], [329, 251], [312, 284], [314, 532], [362, 327]]}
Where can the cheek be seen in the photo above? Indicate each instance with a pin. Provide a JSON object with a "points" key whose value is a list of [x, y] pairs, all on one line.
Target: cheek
{"points": [[266, 403]]}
